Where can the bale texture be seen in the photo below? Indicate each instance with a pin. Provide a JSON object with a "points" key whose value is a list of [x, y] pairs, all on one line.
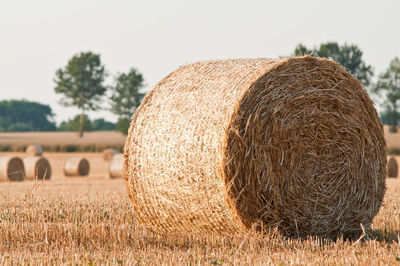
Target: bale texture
{"points": [[392, 167], [108, 154], [11, 169], [116, 166], [224, 146], [76, 166], [37, 167], [34, 150]]}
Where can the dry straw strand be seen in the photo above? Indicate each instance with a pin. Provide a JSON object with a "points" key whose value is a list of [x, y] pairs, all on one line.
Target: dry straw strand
{"points": [[76, 166], [34, 150], [221, 146], [11, 169], [37, 167], [116, 166], [108, 154]]}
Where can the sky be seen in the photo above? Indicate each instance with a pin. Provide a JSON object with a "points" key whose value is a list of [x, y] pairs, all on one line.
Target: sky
{"points": [[156, 37]]}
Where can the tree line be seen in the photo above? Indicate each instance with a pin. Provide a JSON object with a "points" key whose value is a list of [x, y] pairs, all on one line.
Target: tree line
{"points": [[82, 84], [22, 116]]}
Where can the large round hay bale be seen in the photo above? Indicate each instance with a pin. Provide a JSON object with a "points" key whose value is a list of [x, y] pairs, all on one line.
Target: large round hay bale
{"points": [[37, 168], [76, 166], [11, 169], [108, 154], [34, 150], [116, 166], [228, 145], [392, 166]]}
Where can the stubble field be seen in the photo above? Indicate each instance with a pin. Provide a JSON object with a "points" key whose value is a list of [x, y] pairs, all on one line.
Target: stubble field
{"points": [[90, 221]]}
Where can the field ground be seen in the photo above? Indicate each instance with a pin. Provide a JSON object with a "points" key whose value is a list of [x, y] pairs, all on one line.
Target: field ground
{"points": [[90, 221], [58, 138], [62, 141], [393, 139], [96, 141]]}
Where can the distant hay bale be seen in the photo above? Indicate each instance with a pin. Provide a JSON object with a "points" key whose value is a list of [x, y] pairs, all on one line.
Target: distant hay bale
{"points": [[392, 167], [11, 169], [76, 166], [108, 154], [116, 166], [34, 150], [224, 146], [37, 168]]}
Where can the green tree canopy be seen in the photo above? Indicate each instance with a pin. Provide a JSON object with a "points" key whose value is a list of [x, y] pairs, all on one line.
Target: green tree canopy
{"points": [[96, 125], [102, 124], [81, 83], [74, 124], [389, 84], [21, 115], [349, 56], [126, 96]]}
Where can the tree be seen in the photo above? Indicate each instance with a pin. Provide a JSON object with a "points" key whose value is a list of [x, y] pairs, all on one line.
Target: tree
{"points": [[21, 115], [349, 56], [95, 125], [388, 116], [389, 84], [126, 97], [101, 124], [74, 124], [81, 82]]}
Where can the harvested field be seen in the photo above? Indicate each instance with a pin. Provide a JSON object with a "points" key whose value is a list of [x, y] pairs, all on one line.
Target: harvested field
{"points": [[90, 221], [393, 139], [62, 141]]}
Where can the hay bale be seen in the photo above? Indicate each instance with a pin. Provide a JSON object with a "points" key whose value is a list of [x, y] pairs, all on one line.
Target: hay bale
{"points": [[222, 146], [108, 154], [392, 167], [116, 166], [34, 150], [76, 166], [11, 169], [37, 167]]}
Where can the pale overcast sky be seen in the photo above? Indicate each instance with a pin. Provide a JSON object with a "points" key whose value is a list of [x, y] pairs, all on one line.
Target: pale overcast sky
{"points": [[38, 37]]}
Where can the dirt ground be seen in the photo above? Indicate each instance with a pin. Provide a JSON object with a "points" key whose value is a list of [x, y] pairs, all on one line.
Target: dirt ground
{"points": [[90, 221]]}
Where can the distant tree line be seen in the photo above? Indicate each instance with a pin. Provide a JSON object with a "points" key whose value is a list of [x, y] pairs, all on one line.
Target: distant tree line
{"points": [[82, 84], [23, 116], [89, 125]]}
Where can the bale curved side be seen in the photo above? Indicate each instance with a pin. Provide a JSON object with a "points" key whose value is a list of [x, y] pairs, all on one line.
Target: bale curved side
{"points": [[116, 167], [392, 167], [76, 166], [11, 169], [34, 150], [108, 154], [37, 168], [220, 146]]}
